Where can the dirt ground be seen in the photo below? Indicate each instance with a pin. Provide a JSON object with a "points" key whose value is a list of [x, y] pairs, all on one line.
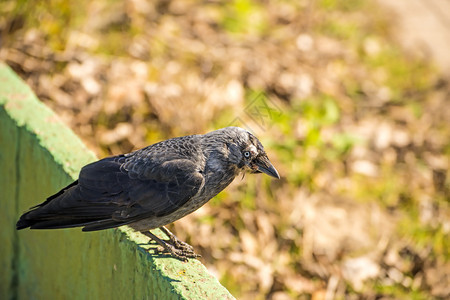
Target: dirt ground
{"points": [[423, 27]]}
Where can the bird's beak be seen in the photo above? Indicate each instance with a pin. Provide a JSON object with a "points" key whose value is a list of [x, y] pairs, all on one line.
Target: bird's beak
{"points": [[263, 164]]}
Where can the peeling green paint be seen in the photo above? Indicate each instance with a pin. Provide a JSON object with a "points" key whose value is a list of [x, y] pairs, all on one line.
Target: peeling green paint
{"points": [[38, 156]]}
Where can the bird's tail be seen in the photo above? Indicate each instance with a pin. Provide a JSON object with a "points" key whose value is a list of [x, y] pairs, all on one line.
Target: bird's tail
{"points": [[31, 217], [36, 223], [65, 209], [24, 223]]}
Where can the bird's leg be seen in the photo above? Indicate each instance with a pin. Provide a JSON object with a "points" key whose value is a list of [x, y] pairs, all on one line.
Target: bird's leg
{"points": [[179, 244], [168, 248]]}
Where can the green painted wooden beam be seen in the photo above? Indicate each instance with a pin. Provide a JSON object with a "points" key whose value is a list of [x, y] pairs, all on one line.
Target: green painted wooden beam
{"points": [[39, 156]]}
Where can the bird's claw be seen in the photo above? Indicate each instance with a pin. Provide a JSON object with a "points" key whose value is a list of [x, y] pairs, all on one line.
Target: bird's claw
{"points": [[176, 242], [181, 249], [173, 246], [180, 245], [181, 254]]}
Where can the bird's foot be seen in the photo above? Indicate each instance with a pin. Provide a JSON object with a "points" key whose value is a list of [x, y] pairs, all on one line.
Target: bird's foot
{"points": [[176, 242], [182, 245], [182, 252], [179, 253]]}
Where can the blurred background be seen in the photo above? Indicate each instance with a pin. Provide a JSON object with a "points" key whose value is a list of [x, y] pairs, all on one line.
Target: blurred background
{"points": [[350, 99]]}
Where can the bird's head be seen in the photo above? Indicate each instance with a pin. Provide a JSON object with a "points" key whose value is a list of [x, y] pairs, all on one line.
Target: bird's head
{"points": [[247, 152]]}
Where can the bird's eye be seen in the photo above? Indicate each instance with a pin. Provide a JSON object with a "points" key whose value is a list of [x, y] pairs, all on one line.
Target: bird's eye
{"points": [[247, 154]]}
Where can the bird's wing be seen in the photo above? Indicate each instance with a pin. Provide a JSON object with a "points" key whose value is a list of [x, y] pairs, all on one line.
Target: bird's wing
{"points": [[141, 189], [119, 190]]}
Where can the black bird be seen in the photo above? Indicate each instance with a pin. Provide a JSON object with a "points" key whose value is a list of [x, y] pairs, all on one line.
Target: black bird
{"points": [[153, 186]]}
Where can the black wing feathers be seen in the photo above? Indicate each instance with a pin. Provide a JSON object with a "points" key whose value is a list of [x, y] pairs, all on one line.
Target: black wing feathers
{"points": [[119, 190]]}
